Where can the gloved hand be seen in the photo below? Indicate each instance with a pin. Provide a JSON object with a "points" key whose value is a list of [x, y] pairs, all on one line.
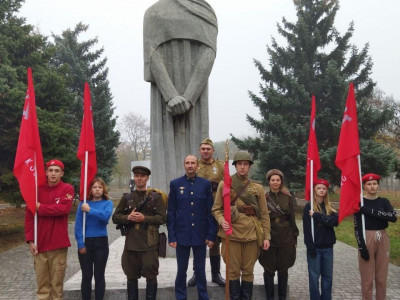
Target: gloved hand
{"points": [[364, 254]]}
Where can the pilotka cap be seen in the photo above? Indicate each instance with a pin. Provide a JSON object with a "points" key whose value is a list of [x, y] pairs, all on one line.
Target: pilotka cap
{"points": [[207, 141]]}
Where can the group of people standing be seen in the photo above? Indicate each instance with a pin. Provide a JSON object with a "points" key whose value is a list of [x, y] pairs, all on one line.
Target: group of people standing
{"points": [[374, 246], [263, 228]]}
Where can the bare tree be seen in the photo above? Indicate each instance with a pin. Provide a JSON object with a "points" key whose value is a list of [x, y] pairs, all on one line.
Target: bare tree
{"points": [[135, 130], [122, 170]]}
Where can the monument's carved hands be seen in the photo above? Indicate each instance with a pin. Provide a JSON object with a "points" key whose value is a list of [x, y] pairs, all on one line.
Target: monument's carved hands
{"points": [[178, 105]]}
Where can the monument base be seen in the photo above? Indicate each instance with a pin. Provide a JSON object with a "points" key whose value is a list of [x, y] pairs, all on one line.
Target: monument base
{"points": [[167, 293], [116, 279]]}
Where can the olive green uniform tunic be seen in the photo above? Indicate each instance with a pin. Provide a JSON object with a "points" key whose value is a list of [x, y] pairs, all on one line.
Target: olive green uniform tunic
{"points": [[282, 253], [243, 247], [140, 256], [214, 172]]}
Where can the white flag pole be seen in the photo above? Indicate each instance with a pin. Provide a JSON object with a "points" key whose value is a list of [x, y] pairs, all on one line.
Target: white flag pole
{"points": [[36, 200], [85, 194], [361, 198], [312, 196]]}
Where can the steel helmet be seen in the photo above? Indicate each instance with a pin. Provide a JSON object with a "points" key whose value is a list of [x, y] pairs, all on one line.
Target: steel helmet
{"points": [[242, 155]]}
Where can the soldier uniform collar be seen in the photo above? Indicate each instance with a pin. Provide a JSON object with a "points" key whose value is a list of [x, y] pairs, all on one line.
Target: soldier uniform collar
{"points": [[208, 163], [243, 178]]}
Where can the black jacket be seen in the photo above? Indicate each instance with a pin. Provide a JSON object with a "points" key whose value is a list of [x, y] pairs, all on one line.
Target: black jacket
{"points": [[324, 234]]}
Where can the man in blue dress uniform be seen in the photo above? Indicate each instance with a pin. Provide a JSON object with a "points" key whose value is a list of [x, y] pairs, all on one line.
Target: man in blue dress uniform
{"points": [[190, 225]]}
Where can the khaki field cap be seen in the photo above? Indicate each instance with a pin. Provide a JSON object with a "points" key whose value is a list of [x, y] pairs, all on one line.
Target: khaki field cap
{"points": [[274, 172], [242, 155], [207, 141], [141, 170]]}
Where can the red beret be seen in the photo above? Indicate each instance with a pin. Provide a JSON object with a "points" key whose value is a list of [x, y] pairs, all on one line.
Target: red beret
{"points": [[370, 176], [55, 162], [321, 181]]}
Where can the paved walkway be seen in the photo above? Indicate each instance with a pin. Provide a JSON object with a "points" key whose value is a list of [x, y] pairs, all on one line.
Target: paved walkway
{"points": [[17, 278]]}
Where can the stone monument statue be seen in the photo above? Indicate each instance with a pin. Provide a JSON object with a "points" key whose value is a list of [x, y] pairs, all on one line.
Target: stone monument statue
{"points": [[180, 44]]}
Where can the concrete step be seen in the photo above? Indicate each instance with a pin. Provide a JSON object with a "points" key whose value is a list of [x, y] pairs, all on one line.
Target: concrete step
{"points": [[167, 293]]}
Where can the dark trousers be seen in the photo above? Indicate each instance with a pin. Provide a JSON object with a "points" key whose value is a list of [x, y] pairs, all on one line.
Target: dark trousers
{"points": [[95, 259], [199, 261]]}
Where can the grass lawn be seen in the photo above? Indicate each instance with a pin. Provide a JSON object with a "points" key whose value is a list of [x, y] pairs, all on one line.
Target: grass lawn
{"points": [[11, 228], [345, 233]]}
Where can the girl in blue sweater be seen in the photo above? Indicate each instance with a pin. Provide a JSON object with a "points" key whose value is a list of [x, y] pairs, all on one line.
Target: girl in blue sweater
{"points": [[320, 249], [93, 250]]}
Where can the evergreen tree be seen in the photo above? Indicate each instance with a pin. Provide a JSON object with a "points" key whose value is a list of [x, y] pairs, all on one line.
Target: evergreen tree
{"points": [[82, 64], [317, 60], [22, 47]]}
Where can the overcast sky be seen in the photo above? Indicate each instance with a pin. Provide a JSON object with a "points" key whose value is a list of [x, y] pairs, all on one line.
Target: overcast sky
{"points": [[245, 28]]}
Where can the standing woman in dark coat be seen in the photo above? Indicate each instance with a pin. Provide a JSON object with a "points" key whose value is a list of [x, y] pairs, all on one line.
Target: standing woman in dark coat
{"points": [[282, 253], [320, 249]]}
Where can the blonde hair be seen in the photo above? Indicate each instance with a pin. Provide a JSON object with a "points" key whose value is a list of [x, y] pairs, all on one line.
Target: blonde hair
{"points": [[103, 184], [328, 205]]}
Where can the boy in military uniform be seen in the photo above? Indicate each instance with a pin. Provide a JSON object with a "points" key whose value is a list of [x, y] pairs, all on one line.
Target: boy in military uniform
{"points": [[213, 170], [140, 213], [250, 226]]}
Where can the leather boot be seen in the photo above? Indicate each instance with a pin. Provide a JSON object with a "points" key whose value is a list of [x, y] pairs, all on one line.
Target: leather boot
{"points": [[216, 277], [151, 291], [269, 286], [133, 293], [234, 289], [192, 281], [282, 286], [247, 290]]}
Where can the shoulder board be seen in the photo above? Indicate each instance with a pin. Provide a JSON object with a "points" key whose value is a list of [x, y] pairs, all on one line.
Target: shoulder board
{"points": [[163, 195], [222, 163]]}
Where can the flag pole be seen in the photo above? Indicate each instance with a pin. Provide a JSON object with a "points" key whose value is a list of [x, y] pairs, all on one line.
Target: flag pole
{"points": [[361, 197], [227, 263], [36, 197], [312, 196], [85, 194]]}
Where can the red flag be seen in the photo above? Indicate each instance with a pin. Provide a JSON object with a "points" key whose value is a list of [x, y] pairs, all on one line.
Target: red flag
{"points": [[227, 196], [29, 151], [312, 153], [87, 144], [347, 159]]}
